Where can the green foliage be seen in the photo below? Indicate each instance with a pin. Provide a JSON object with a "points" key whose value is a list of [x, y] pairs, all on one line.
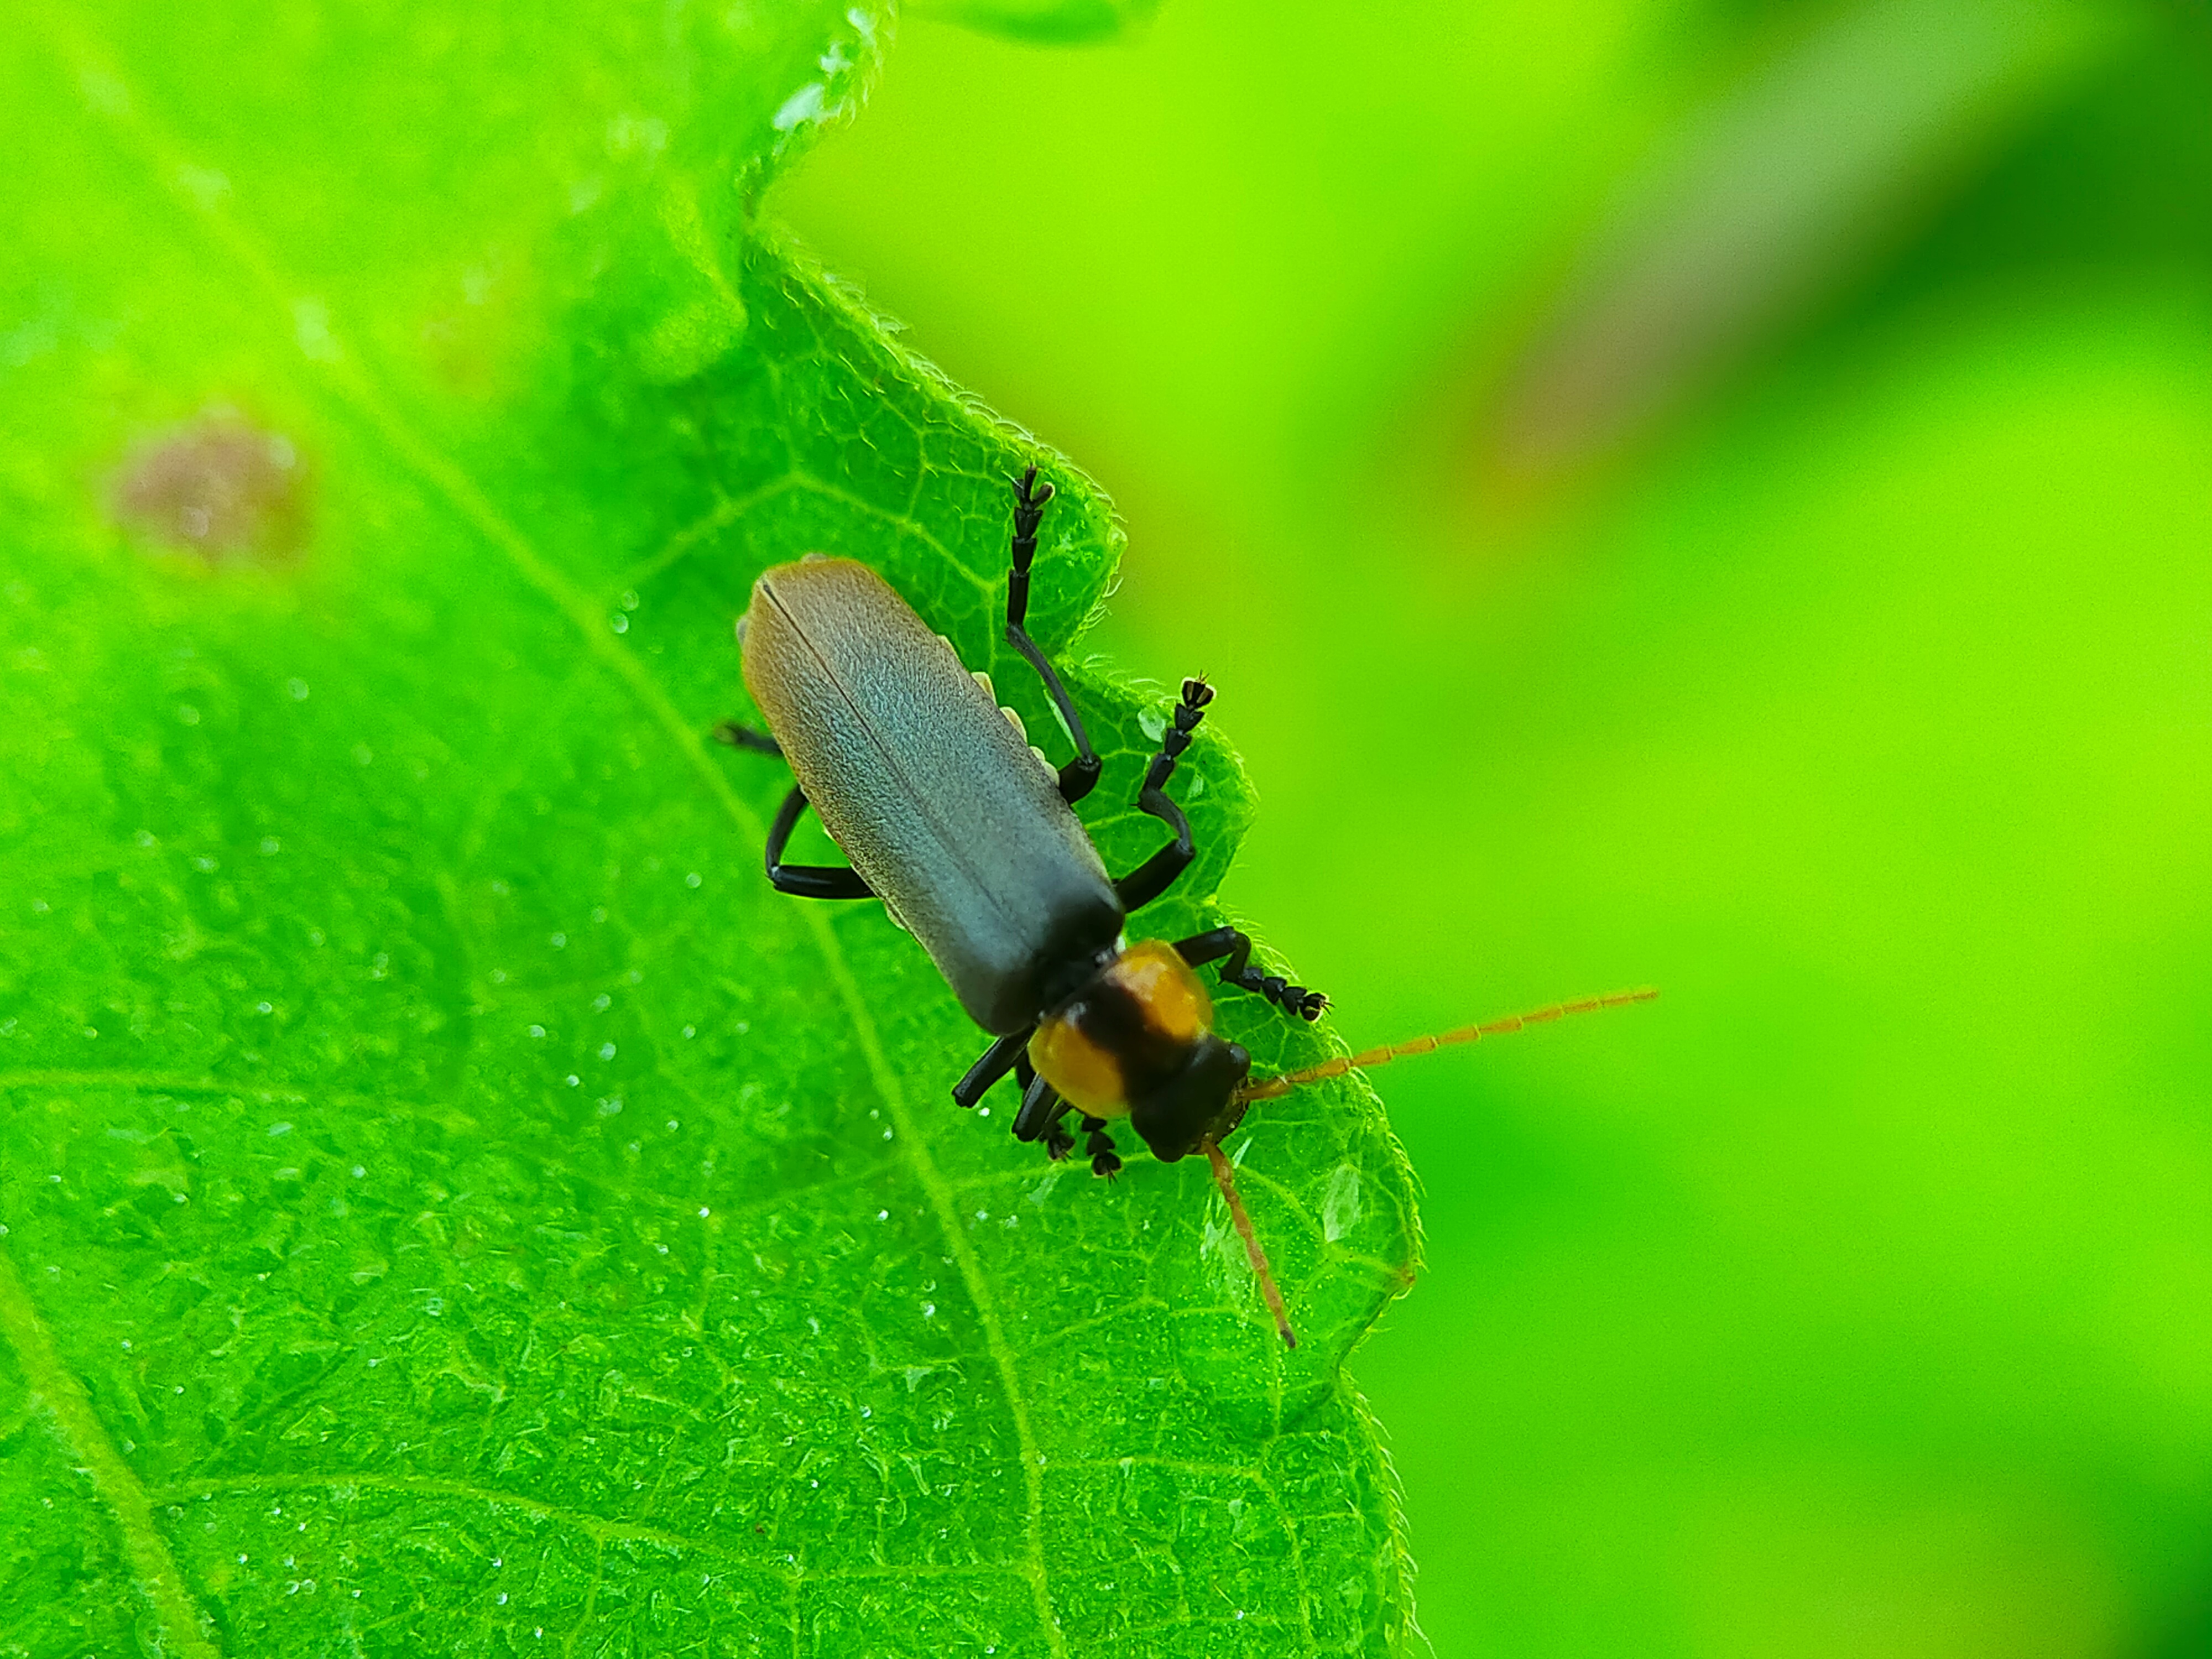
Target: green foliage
{"points": [[447, 1202], [1048, 23], [1849, 1300]]}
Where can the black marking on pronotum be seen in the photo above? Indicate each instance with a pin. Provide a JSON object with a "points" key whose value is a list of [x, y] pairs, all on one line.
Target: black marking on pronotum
{"points": [[968, 836]]}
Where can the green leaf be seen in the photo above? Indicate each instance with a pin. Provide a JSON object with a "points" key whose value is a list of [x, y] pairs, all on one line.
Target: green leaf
{"points": [[1046, 22], [450, 1203]]}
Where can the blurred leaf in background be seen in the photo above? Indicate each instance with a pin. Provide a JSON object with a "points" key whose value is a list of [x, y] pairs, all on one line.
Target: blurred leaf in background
{"points": [[1061, 22], [1716, 493], [447, 1201]]}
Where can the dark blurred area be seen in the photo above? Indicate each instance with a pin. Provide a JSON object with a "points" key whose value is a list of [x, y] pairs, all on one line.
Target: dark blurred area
{"points": [[1719, 495]]}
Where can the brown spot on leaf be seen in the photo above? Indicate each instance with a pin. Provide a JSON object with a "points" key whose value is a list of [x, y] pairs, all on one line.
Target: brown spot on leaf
{"points": [[222, 488]]}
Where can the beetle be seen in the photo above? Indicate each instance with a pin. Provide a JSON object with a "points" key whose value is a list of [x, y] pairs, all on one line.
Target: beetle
{"points": [[968, 835]]}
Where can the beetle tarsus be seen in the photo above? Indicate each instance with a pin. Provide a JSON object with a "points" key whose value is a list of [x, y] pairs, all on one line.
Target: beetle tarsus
{"points": [[1098, 1147], [1293, 999], [1058, 1143], [1158, 873], [1232, 948], [1081, 775], [1196, 694], [1030, 498], [1030, 494]]}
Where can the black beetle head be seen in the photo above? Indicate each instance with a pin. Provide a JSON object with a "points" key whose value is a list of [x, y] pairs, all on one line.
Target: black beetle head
{"points": [[1198, 1105]]}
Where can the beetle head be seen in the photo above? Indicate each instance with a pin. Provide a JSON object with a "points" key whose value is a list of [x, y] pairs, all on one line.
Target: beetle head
{"points": [[1198, 1105]]}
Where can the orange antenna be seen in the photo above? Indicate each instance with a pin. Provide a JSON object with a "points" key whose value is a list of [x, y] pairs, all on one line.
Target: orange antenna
{"points": [[1268, 1088], [1225, 1178]]}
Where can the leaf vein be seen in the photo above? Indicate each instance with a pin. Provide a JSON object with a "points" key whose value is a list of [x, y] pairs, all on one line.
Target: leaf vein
{"points": [[599, 1529], [80, 1430]]}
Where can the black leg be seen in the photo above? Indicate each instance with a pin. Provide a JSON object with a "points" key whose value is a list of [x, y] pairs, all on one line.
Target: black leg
{"points": [[1098, 1146], [807, 880], [1077, 777], [744, 737], [1041, 1110], [1001, 1058], [1157, 873], [1233, 949], [1058, 1143], [804, 880]]}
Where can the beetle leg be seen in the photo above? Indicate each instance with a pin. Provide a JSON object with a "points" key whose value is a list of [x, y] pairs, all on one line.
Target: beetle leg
{"points": [[1041, 1111], [1237, 969], [744, 737], [997, 1060], [803, 880], [1081, 774], [1100, 1147], [1157, 873], [807, 880], [1042, 1106]]}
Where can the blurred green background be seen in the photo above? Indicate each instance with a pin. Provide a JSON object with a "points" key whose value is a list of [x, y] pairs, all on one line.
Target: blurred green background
{"points": [[1716, 495]]}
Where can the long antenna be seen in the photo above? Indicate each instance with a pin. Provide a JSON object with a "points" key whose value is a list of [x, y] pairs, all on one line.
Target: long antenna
{"points": [[1269, 1087], [1224, 1178]]}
